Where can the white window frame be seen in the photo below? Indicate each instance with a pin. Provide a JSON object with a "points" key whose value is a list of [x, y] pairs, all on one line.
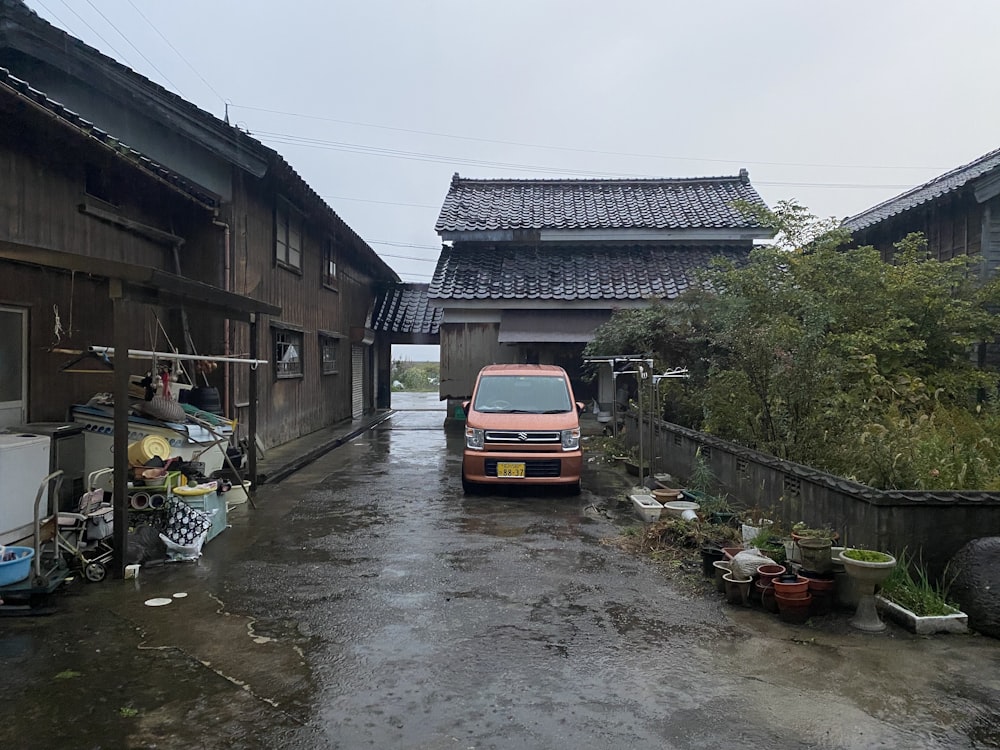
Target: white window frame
{"points": [[287, 346]]}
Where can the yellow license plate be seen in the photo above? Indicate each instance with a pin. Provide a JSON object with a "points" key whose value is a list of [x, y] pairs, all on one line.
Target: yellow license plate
{"points": [[510, 470]]}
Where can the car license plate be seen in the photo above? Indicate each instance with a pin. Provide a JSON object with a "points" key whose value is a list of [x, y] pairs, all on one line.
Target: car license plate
{"points": [[510, 470]]}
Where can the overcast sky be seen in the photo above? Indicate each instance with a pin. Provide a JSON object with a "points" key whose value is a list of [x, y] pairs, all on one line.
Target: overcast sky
{"points": [[376, 103]]}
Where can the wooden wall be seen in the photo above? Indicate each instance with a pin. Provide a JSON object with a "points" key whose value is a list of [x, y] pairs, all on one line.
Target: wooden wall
{"points": [[42, 185], [290, 408], [953, 226]]}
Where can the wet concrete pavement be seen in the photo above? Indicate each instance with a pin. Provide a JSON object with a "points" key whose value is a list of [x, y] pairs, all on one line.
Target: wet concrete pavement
{"points": [[366, 603]]}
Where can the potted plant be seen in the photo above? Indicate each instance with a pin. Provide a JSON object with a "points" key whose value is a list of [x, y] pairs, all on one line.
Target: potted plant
{"points": [[909, 597], [868, 569]]}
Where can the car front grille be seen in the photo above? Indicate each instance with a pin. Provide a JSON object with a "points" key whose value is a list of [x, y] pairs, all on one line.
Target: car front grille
{"points": [[527, 437]]}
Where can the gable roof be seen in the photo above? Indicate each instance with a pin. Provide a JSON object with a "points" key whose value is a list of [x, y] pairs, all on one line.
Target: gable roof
{"points": [[23, 29], [692, 203], [572, 272], [949, 182], [406, 309], [21, 90]]}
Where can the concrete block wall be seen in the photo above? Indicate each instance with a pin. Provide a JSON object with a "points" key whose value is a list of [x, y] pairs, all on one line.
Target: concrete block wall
{"points": [[934, 525]]}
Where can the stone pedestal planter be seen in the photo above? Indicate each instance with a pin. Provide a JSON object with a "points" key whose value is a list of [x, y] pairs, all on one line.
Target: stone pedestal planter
{"points": [[866, 576]]}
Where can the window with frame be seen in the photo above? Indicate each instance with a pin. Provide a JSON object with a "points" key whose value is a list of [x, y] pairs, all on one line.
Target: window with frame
{"points": [[287, 236], [329, 348], [287, 353], [329, 264]]}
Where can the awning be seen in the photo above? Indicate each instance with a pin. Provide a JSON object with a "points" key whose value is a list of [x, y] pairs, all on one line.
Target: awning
{"points": [[550, 326]]}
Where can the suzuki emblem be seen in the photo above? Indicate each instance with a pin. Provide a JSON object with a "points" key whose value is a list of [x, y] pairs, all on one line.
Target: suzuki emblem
{"points": [[522, 436]]}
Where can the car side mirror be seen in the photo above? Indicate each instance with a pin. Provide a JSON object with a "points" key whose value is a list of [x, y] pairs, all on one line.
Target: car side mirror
{"points": [[465, 406], [580, 406]]}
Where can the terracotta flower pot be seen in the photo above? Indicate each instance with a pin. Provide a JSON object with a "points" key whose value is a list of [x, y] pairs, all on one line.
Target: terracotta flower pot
{"points": [[786, 585], [793, 610], [768, 573]]}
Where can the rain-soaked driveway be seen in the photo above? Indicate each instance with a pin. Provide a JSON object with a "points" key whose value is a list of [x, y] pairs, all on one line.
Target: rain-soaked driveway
{"points": [[367, 603]]}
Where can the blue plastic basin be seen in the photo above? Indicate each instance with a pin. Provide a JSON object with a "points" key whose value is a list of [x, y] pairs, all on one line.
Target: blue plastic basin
{"points": [[18, 568]]}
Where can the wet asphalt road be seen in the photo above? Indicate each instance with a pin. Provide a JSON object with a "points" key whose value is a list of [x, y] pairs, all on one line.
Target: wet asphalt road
{"points": [[367, 603]]}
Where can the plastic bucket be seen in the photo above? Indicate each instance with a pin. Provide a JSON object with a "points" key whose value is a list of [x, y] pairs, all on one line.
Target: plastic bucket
{"points": [[141, 452]]}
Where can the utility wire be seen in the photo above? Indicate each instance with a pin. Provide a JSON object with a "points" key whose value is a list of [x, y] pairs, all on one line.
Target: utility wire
{"points": [[404, 244], [294, 140], [96, 32], [551, 147], [176, 51], [384, 203], [143, 56]]}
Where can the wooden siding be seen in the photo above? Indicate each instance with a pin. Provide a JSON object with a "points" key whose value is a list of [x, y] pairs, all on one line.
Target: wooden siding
{"points": [[991, 237], [290, 408], [465, 348], [43, 178], [952, 226]]}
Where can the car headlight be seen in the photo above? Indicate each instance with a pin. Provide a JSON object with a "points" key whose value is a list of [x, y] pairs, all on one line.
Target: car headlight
{"points": [[571, 439], [474, 438]]}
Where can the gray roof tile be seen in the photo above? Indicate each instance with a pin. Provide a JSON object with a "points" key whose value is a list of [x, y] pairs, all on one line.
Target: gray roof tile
{"points": [[948, 182], [572, 271], [405, 308], [692, 203]]}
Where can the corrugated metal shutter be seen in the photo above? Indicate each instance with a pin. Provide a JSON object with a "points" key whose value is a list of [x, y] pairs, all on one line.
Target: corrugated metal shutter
{"points": [[357, 382]]}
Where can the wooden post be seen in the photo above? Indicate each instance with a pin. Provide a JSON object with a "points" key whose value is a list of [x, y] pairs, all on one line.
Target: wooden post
{"points": [[120, 449]]}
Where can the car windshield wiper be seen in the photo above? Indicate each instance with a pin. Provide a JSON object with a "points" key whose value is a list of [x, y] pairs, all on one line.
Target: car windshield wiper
{"points": [[554, 411]]}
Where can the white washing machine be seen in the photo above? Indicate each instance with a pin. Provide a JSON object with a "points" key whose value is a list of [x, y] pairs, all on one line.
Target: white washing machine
{"points": [[24, 463]]}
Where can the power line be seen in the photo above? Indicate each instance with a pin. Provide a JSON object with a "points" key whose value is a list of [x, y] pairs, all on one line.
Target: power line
{"points": [[384, 203], [476, 139], [357, 148], [176, 51], [143, 56], [96, 32], [408, 257], [404, 244]]}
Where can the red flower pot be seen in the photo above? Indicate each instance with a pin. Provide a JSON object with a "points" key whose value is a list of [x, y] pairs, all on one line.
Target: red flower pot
{"points": [[768, 573], [793, 610], [798, 585]]}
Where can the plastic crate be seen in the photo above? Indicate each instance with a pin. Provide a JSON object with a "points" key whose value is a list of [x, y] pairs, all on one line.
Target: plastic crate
{"points": [[206, 504]]}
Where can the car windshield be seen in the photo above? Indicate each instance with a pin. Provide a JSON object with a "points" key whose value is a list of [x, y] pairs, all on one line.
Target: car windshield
{"points": [[524, 394]]}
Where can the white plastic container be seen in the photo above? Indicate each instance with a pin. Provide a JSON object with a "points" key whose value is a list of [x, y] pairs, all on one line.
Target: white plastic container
{"points": [[647, 507], [24, 463]]}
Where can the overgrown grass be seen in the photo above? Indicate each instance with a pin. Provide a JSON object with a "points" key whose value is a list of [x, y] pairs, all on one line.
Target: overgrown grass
{"points": [[909, 586]]}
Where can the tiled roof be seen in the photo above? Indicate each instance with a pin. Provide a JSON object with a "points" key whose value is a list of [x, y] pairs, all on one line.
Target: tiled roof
{"points": [[405, 308], [87, 129], [572, 272], [946, 183], [696, 203]]}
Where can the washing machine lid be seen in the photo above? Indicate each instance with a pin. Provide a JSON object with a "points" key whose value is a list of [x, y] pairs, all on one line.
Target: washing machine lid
{"points": [[9, 441]]}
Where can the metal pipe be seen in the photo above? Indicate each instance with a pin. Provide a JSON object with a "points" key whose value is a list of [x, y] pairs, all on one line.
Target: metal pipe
{"points": [[145, 354]]}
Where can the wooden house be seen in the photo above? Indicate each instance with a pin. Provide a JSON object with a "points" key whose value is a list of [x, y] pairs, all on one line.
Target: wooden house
{"points": [[533, 267], [250, 225], [958, 212]]}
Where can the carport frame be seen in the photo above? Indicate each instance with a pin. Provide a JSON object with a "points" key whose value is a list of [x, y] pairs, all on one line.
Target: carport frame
{"points": [[127, 284]]}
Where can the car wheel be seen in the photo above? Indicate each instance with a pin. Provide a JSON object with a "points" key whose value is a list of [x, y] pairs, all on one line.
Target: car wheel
{"points": [[469, 488], [573, 489]]}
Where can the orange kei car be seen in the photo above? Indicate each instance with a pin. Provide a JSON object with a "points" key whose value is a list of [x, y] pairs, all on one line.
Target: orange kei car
{"points": [[522, 426]]}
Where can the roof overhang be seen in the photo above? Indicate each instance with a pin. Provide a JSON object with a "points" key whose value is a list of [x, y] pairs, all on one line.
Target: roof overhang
{"points": [[556, 326], [712, 235], [143, 283]]}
